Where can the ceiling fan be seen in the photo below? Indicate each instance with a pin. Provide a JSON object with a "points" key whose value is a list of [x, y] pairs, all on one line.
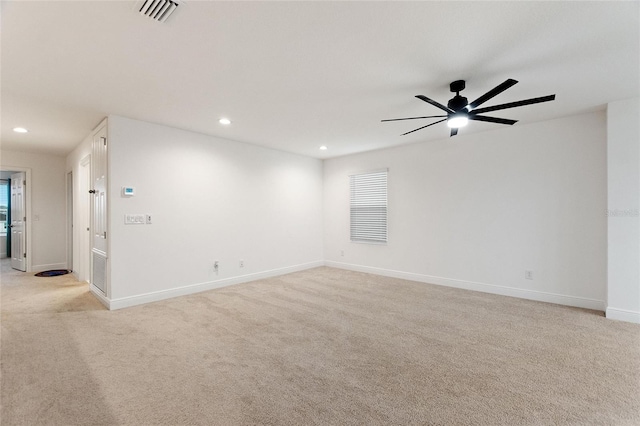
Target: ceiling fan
{"points": [[460, 111]]}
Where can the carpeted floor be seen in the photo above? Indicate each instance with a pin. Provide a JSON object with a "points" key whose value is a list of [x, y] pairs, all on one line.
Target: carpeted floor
{"points": [[319, 347]]}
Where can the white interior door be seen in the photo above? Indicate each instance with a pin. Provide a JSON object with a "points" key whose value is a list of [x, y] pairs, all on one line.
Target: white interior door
{"points": [[18, 220], [99, 244], [84, 221], [99, 191]]}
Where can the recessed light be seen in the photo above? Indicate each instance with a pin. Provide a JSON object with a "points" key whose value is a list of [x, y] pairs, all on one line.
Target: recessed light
{"points": [[20, 130], [224, 121], [323, 148]]}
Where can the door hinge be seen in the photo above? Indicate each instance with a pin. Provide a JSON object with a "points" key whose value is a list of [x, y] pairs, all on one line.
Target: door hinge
{"points": [[104, 140], [24, 219], [24, 182], [105, 234], [24, 255]]}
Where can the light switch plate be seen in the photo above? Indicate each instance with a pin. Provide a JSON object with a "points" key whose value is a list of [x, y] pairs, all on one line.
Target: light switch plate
{"points": [[134, 219]]}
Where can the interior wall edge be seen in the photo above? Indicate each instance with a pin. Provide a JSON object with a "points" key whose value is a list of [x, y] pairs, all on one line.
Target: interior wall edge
{"points": [[100, 296], [623, 315]]}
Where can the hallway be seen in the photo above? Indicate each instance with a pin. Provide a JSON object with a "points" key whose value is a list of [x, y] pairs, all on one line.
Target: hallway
{"points": [[24, 293]]}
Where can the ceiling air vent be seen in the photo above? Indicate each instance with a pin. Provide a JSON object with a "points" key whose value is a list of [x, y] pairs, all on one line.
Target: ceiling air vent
{"points": [[158, 10]]}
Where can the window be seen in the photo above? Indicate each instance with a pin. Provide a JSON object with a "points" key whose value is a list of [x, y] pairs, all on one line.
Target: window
{"points": [[369, 207], [4, 203]]}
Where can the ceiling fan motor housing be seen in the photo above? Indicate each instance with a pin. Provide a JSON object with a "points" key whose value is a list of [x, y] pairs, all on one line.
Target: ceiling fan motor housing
{"points": [[457, 102]]}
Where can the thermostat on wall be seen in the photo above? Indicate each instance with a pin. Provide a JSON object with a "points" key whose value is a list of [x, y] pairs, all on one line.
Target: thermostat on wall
{"points": [[128, 191]]}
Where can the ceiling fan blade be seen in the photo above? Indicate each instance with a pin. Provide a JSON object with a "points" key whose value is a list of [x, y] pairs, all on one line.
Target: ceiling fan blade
{"points": [[515, 104], [414, 118], [492, 119], [439, 121], [454, 131], [434, 103], [491, 93]]}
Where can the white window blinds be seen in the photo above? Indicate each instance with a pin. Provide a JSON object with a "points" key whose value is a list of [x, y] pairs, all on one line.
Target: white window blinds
{"points": [[369, 207], [4, 193]]}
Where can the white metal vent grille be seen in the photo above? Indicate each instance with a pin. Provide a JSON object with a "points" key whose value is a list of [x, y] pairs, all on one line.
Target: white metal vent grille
{"points": [[369, 207], [99, 278], [159, 10]]}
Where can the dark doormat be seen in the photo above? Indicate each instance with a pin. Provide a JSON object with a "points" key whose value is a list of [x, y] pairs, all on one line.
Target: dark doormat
{"points": [[53, 273]]}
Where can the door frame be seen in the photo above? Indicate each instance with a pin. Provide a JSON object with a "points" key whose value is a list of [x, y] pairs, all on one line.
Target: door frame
{"points": [[69, 183], [27, 198]]}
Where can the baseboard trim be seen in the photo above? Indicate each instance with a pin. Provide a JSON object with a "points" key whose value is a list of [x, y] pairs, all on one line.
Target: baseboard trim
{"points": [[156, 296], [623, 315], [47, 267], [539, 296], [100, 296]]}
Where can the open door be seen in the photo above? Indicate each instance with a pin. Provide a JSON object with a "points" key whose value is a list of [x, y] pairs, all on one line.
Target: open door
{"points": [[18, 221], [99, 241]]}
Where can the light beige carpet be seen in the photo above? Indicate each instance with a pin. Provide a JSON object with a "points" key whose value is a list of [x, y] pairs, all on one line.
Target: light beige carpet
{"points": [[319, 347]]}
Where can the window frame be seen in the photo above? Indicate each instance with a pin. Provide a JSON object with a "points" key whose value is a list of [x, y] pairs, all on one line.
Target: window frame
{"points": [[4, 225], [379, 235]]}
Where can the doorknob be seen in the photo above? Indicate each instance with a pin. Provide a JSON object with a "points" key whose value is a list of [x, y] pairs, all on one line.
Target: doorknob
{"points": [[92, 191]]}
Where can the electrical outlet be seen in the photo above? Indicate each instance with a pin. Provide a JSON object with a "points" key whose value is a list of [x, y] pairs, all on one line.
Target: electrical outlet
{"points": [[242, 263], [148, 218], [528, 275], [342, 253], [215, 265]]}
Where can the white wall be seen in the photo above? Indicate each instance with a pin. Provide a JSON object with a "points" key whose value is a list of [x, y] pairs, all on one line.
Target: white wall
{"points": [[623, 161], [48, 198], [476, 211], [210, 199]]}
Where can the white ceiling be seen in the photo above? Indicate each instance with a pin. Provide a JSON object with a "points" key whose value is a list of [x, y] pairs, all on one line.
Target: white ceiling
{"points": [[297, 75]]}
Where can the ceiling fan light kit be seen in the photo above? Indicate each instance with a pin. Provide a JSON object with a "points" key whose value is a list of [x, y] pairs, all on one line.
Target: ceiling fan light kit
{"points": [[459, 111], [458, 120]]}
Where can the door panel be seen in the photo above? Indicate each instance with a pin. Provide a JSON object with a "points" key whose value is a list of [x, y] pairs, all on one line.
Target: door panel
{"points": [[99, 170], [99, 231], [18, 219], [84, 220]]}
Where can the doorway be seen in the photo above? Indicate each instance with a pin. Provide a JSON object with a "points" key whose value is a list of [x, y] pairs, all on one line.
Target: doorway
{"points": [[70, 264], [16, 238]]}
